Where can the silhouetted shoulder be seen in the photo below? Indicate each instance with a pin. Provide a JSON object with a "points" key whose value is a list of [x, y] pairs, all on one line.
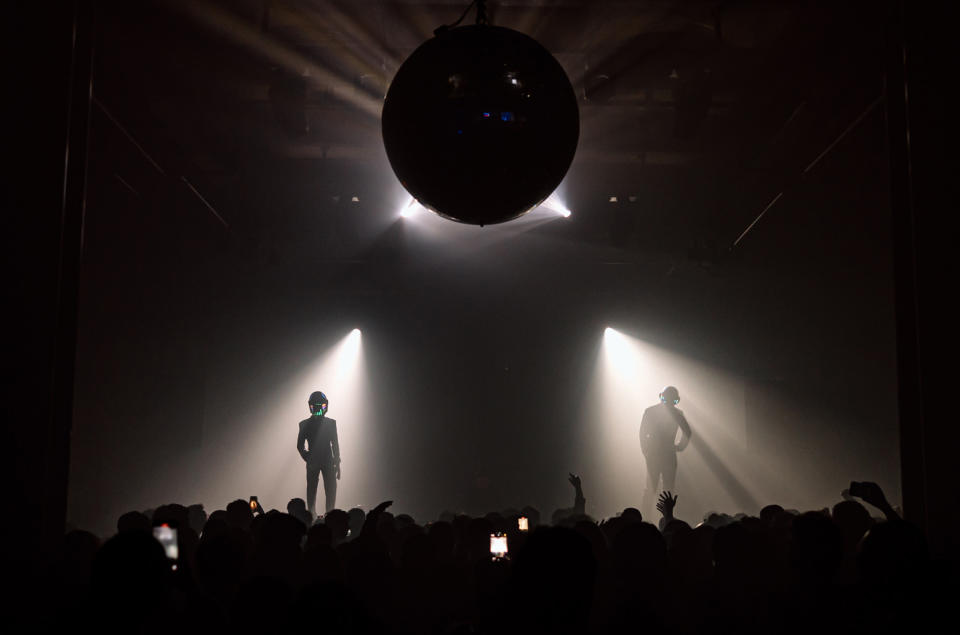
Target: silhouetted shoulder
{"points": [[333, 421], [303, 424]]}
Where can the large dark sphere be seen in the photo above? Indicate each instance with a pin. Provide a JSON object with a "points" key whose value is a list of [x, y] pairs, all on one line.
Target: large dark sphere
{"points": [[480, 124]]}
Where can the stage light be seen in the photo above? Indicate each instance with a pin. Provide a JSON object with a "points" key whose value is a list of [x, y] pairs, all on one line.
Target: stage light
{"points": [[351, 347], [554, 204], [408, 209], [617, 349], [443, 135], [612, 199], [560, 209]]}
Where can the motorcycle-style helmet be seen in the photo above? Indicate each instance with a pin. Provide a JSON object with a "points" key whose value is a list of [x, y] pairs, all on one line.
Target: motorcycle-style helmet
{"points": [[318, 403], [670, 395]]}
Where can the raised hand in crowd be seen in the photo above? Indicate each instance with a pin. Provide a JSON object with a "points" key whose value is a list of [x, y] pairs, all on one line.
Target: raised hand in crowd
{"points": [[666, 503], [579, 502], [872, 493]]}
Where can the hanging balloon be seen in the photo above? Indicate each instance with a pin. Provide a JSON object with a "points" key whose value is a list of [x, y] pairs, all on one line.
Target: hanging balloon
{"points": [[480, 124]]}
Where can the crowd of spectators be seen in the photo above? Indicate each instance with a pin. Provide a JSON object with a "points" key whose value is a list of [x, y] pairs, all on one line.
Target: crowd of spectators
{"points": [[243, 569]]}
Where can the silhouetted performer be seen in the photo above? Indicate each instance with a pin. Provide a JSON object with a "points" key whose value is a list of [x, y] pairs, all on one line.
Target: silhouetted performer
{"points": [[322, 452], [658, 441]]}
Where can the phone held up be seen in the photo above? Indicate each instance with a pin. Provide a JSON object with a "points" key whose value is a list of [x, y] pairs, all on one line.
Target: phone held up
{"points": [[498, 546], [167, 537], [523, 523]]}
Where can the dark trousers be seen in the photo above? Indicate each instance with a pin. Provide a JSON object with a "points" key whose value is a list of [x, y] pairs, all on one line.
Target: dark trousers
{"points": [[329, 486], [658, 465]]}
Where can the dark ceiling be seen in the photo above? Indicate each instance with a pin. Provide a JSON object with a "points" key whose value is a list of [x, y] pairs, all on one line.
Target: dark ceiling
{"points": [[701, 111]]}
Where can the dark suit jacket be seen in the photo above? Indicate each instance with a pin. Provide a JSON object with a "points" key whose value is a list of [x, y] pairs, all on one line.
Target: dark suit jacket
{"points": [[319, 434]]}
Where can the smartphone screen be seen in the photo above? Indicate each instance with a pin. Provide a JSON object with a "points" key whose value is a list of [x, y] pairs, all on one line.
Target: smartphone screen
{"points": [[167, 536], [498, 545], [523, 524], [253, 503]]}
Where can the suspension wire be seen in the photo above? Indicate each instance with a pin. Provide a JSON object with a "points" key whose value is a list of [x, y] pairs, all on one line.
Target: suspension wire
{"points": [[482, 12], [481, 17]]}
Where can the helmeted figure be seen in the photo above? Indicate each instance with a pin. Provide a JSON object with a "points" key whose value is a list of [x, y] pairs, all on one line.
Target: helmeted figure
{"points": [[658, 442], [320, 448]]}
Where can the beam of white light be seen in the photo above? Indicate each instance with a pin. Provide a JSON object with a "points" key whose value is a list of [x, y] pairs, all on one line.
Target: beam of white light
{"points": [[227, 24], [352, 345], [260, 456], [451, 241], [554, 204], [341, 376], [713, 472], [617, 349], [408, 210]]}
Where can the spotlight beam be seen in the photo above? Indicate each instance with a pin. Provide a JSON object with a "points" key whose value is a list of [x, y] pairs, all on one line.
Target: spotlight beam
{"points": [[555, 205], [630, 371], [223, 22], [742, 498], [409, 208]]}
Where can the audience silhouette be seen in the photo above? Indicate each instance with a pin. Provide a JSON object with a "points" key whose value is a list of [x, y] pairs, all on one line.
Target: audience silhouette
{"points": [[249, 570]]}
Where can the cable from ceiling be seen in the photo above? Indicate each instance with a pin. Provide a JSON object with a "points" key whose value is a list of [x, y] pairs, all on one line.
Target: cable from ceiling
{"points": [[481, 17], [812, 164]]}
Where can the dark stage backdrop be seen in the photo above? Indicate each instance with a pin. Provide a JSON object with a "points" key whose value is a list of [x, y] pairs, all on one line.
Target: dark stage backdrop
{"points": [[479, 347]]}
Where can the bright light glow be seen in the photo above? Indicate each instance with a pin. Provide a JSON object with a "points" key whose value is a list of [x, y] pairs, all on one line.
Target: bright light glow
{"points": [[554, 204], [612, 199], [355, 199], [352, 345], [713, 471], [448, 241], [617, 349], [498, 545], [408, 210]]}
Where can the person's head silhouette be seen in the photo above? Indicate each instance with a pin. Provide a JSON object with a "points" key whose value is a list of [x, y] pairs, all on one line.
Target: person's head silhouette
{"points": [[670, 396]]}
